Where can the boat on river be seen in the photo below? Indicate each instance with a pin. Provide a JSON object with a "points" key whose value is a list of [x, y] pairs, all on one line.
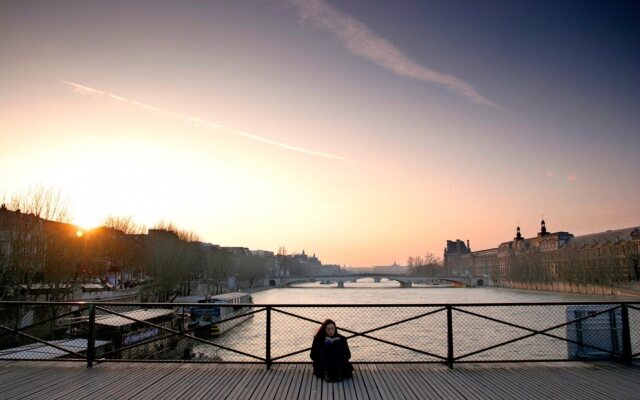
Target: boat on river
{"points": [[206, 319]]}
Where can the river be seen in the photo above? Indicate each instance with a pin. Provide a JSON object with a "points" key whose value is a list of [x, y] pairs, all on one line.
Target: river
{"points": [[425, 333]]}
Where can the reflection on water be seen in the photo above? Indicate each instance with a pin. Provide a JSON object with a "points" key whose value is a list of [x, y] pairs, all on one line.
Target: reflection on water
{"points": [[424, 333]]}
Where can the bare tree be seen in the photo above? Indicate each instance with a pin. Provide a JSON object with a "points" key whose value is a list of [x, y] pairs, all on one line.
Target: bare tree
{"points": [[124, 224], [430, 264], [46, 202], [171, 255]]}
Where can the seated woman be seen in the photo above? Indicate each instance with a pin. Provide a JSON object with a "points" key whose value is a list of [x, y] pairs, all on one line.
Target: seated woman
{"points": [[330, 354]]}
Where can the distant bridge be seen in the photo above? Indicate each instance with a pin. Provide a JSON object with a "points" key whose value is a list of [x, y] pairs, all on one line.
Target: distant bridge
{"points": [[406, 281]]}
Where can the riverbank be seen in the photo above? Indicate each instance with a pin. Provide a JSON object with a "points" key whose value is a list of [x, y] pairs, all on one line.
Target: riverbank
{"points": [[629, 290]]}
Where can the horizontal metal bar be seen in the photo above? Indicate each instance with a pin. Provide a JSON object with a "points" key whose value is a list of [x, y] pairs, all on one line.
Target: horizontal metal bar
{"points": [[386, 305], [118, 360]]}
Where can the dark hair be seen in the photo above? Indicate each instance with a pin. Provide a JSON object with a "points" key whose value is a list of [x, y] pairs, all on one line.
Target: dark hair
{"points": [[321, 331]]}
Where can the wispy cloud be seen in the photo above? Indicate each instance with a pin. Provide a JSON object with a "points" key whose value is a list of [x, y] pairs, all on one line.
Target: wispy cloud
{"points": [[361, 41], [89, 91]]}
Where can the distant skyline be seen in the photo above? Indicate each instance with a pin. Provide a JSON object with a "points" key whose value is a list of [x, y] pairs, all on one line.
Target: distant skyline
{"points": [[362, 131]]}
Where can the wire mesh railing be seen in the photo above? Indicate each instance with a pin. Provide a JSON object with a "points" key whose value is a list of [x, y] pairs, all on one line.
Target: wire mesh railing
{"points": [[283, 333]]}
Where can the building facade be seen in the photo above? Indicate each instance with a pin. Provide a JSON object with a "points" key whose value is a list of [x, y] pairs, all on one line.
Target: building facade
{"points": [[605, 257]]}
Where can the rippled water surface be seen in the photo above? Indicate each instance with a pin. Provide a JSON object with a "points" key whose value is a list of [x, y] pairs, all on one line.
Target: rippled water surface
{"points": [[421, 330]]}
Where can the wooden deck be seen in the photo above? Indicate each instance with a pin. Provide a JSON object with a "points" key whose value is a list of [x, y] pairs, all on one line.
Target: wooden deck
{"points": [[69, 380]]}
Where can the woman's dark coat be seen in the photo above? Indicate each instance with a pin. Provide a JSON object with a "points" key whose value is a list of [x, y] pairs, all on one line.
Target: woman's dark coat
{"points": [[336, 368]]}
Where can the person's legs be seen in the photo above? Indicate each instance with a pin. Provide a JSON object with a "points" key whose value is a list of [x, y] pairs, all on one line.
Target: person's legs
{"points": [[331, 364], [347, 369]]}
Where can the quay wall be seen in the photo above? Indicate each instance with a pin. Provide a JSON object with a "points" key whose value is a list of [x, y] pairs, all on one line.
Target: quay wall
{"points": [[570, 287]]}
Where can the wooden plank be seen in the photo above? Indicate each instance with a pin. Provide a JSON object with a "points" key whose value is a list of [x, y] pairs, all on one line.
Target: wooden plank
{"points": [[251, 377], [523, 379], [135, 381], [283, 388], [305, 384], [278, 376], [382, 380], [420, 390], [541, 386], [576, 383], [397, 379], [462, 384], [349, 389], [549, 383], [39, 382], [240, 374], [603, 378], [263, 385], [414, 374], [494, 384], [246, 390], [359, 384], [506, 383], [324, 394], [338, 390], [216, 377], [437, 381], [186, 382], [156, 387], [315, 389], [20, 378], [92, 380], [15, 379], [368, 381], [296, 382]]}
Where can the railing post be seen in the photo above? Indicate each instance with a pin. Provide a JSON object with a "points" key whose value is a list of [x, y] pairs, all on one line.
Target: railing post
{"points": [[268, 338], [182, 323], [627, 356], [91, 345], [449, 336]]}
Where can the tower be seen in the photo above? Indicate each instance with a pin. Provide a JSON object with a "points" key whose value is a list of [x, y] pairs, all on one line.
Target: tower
{"points": [[543, 228]]}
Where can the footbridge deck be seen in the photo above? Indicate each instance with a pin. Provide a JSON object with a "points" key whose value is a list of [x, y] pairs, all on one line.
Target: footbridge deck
{"points": [[72, 380]]}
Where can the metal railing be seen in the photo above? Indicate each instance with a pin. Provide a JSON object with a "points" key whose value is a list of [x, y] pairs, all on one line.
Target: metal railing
{"points": [[282, 333]]}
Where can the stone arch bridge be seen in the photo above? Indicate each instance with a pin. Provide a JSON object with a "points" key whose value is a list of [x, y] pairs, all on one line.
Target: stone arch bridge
{"points": [[406, 281]]}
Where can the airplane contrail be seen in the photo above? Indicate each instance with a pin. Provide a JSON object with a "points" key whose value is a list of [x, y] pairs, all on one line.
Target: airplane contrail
{"points": [[360, 40], [86, 90]]}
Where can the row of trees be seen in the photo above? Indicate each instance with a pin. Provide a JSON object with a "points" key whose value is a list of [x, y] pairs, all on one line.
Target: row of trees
{"points": [[31, 252], [40, 250], [430, 265]]}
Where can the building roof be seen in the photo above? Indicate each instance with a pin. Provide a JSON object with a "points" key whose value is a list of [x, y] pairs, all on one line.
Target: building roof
{"points": [[142, 315], [41, 351], [610, 236], [229, 296]]}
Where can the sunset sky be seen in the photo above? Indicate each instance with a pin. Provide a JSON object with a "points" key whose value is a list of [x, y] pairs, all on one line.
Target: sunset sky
{"points": [[362, 131]]}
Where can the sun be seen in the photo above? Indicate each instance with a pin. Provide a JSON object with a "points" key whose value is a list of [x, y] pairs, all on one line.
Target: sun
{"points": [[86, 222]]}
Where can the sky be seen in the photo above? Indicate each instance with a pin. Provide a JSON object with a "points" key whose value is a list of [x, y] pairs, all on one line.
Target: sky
{"points": [[363, 132]]}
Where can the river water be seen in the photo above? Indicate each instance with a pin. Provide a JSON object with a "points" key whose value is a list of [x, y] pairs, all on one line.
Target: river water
{"points": [[420, 333]]}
